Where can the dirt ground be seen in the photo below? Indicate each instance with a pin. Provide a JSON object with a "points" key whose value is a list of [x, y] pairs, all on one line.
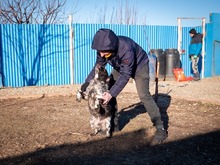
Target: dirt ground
{"points": [[55, 130]]}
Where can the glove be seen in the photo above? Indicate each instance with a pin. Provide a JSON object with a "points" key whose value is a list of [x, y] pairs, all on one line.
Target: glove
{"points": [[84, 86], [106, 97]]}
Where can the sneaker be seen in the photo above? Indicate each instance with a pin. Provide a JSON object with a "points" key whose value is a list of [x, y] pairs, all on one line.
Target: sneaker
{"points": [[160, 135]]}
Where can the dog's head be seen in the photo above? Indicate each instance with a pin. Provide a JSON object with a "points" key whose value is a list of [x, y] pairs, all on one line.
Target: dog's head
{"points": [[101, 74]]}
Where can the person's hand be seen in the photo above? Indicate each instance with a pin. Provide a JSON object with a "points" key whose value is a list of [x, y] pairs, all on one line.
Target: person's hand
{"points": [[106, 97]]}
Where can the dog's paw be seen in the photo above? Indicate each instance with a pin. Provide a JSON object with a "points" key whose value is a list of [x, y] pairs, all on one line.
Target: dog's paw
{"points": [[79, 96], [108, 134], [86, 97]]}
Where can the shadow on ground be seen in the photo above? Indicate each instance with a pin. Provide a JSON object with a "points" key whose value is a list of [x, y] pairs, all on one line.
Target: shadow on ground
{"points": [[129, 148], [130, 112]]}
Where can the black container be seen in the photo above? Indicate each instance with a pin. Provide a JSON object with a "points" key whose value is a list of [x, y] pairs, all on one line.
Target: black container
{"points": [[161, 58], [172, 61]]}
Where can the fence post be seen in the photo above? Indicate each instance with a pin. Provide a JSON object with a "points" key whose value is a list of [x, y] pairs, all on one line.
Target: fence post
{"points": [[71, 51], [203, 47], [179, 36]]}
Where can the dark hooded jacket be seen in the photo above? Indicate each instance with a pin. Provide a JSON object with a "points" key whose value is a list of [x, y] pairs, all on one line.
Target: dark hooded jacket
{"points": [[128, 57], [195, 46]]}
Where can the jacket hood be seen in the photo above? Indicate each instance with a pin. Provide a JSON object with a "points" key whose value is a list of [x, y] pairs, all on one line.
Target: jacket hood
{"points": [[105, 40]]}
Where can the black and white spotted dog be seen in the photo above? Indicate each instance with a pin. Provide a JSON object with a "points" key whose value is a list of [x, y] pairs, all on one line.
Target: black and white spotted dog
{"points": [[101, 116]]}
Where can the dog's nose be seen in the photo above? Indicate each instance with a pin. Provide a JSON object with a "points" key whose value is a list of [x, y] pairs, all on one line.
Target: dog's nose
{"points": [[98, 66]]}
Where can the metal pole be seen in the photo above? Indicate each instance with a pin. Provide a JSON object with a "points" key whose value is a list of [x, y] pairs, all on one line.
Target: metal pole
{"points": [[179, 36], [71, 50], [203, 46]]}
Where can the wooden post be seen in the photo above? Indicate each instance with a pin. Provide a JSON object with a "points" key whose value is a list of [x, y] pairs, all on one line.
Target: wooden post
{"points": [[156, 80]]}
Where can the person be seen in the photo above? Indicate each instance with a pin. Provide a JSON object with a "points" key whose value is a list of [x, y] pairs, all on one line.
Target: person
{"points": [[128, 60], [195, 48]]}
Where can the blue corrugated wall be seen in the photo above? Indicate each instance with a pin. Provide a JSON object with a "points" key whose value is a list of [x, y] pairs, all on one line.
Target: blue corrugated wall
{"points": [[35, 55], [212, 59], [149, 37], [40, 54]]}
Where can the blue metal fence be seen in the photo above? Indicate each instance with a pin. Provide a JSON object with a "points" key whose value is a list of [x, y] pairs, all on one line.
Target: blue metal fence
{"points": [[149, 37], [35, 55], [212, 58], [40, 54], [216, 58]]}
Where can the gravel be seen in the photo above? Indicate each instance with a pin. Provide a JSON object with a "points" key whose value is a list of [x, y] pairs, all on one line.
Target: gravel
{"points": [[205, 90]]}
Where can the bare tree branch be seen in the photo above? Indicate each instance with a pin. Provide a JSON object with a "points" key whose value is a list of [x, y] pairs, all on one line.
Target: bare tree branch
{"points": [[33, 11], [123, 13]]}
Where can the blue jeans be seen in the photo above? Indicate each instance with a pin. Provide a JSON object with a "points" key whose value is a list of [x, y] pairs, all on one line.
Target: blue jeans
{"points": [[142, 85]]}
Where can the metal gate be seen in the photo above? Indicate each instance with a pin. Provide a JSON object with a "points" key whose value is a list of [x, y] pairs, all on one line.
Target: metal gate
{"points": [[216, 59]]}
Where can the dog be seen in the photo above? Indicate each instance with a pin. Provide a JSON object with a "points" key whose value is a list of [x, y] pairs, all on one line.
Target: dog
{"points": [[101, 115]]}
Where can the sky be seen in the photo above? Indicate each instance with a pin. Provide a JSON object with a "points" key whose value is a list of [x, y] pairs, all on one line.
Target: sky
{"points": [[149, 12]]}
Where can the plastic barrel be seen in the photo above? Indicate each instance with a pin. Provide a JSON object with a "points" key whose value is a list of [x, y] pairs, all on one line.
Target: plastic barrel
{"points": [[172, 61], [161, 58]]}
